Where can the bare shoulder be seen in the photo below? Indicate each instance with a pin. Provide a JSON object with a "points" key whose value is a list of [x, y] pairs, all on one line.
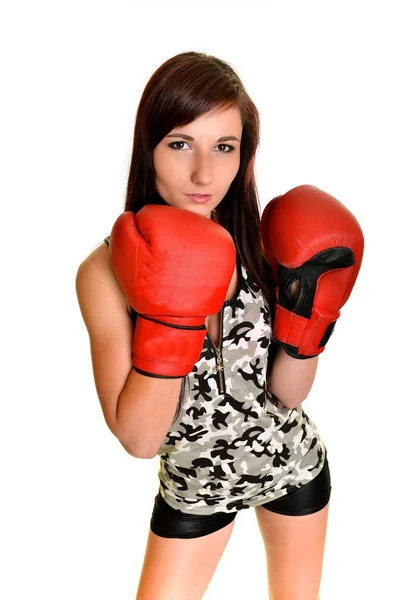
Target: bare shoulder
{"points": [[96, 268]]}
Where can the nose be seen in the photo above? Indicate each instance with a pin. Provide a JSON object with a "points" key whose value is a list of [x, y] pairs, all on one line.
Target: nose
{"points": [[202, 172]]}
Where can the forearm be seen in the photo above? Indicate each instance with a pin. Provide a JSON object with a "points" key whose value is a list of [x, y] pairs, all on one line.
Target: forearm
{"points": [[291, 379], [145, 411]]}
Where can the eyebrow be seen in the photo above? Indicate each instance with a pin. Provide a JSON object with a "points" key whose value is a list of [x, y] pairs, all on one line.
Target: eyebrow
{"points": [[225, 138]]}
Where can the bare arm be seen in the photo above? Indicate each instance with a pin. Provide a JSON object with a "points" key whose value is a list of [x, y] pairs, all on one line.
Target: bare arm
{"points": [[291, 379], [145, 411], [137, 409]]}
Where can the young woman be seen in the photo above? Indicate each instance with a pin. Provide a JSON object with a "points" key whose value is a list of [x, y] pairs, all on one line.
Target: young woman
{"points": [[193, 358]]}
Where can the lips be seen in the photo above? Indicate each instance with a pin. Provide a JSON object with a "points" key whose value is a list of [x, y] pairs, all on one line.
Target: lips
{"points": [[199, 197]]}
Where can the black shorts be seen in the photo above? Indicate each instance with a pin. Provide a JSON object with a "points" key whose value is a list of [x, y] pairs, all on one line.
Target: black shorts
{"points": [[171, 523]]}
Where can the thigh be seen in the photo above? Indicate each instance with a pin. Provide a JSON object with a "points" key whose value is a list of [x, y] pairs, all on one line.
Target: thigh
{"points": [[180, 562], [293, 528], [294, 551]]}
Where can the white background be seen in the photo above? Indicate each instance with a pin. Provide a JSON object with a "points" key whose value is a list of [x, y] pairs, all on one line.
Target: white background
{"points": [[75, 507]]}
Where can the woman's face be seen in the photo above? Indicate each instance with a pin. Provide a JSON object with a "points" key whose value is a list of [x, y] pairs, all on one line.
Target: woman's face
{"points": [[204, 164]]}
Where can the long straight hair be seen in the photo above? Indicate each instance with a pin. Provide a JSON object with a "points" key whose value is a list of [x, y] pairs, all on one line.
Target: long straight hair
{"points": [[180, 90]]}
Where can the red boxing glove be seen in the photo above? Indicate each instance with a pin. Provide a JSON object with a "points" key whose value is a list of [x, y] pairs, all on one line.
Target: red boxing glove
{"points": [[175, 268], [310, 236]]}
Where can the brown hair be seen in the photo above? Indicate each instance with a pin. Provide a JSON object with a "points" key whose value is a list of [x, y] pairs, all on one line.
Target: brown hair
{"points": [[180, 90]]}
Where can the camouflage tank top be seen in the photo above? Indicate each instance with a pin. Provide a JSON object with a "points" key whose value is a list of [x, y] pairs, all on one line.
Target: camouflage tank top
{"points": [[232, 445]]}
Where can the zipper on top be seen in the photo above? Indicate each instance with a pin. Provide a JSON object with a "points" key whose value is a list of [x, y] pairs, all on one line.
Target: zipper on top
{"points": [[218, 355]]}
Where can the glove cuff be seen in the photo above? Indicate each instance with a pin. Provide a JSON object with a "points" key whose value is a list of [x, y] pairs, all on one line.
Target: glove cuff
{"points": [[167, 346], [302, 337]]}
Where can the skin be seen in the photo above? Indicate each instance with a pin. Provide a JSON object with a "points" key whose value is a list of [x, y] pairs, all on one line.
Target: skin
{"points": [[202, 166]]}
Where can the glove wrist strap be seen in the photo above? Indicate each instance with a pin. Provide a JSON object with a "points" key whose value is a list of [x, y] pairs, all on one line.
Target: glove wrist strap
{"points": [[170, 348], [307, 336]]}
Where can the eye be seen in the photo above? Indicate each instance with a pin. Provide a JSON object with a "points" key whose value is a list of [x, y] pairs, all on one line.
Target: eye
{"points": [[230, 148]]}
